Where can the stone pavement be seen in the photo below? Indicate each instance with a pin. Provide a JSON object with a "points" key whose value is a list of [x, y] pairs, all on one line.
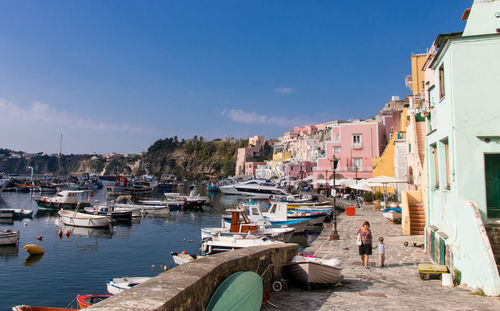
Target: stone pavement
{"points": [[394, 287]]}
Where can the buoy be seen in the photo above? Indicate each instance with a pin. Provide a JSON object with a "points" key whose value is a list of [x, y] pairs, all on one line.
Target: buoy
{"points": [[153, 268], [39, 238], [59, 233], [165, 268], [33, 249], [67, 234], [184, 252]]}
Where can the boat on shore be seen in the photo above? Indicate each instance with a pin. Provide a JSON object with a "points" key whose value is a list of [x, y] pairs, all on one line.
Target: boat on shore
{"points": [[9, 237], [74, 218], [393, 214], [118, 285], [313, 272]]}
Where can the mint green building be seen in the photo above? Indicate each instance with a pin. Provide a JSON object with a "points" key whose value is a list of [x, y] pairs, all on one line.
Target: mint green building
{"points": [[463, 149]]}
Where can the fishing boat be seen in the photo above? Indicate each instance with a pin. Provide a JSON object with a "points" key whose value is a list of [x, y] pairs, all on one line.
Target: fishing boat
{"points": [[277, 215], [105, 210], [183, 257], [311, 271], [123, 186], [74, 218], [296, 203], [32, 308], [240, 224], [393, 214], [85, 301], [66, 199], [118, 285], [9, 237]]}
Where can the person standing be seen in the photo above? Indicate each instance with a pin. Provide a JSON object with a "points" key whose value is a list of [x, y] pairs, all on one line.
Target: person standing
{"points": [[365, 248]]}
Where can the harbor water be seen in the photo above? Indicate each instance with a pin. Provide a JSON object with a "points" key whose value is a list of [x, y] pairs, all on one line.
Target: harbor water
{"points": [[81, 262]]}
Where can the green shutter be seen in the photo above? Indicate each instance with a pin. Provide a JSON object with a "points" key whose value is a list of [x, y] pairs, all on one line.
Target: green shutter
{"points": [[433, 245], [442, 252]]}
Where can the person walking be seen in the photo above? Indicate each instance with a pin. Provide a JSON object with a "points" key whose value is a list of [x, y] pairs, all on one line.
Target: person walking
{"points": [[365, 243], [382, 251]]}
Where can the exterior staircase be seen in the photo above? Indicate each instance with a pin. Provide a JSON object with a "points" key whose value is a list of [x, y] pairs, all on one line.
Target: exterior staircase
{"points": [[493, 231], [417, 218]]}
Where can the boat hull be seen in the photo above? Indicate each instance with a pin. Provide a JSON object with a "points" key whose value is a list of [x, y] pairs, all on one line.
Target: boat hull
{"points": [[118, 285], [9, 237], [71, 218], [314, 274]]}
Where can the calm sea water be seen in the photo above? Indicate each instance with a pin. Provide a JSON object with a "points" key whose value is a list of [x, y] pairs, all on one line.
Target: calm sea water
{"points": [[81, 263]]}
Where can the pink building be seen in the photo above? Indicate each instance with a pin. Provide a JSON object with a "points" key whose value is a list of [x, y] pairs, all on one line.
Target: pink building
{"points": [[355, 144], [298, 170], [255, 145], [250, 167]]}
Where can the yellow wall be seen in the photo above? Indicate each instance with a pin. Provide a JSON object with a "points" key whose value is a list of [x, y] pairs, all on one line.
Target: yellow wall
{"points": [[404, 121], [417, 74], [385, 166], [281, 156]]}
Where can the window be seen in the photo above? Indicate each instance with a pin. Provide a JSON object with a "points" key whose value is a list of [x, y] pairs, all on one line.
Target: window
{"points": [[336, 149], [441, 82], [447, 163], [436, 167], [356, 141], [356, 163]]}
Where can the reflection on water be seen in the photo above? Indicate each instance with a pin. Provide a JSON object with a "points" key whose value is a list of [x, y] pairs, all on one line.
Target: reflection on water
{"points": [[32, 259], [104, 233], [8, 251], [6, 221]]}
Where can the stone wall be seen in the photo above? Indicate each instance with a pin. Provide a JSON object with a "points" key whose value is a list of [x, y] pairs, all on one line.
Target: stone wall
{"points": [[190, 286]]}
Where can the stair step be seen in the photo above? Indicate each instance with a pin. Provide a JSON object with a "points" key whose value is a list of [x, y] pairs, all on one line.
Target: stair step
{"points": [[416, 205], [421, 232]]}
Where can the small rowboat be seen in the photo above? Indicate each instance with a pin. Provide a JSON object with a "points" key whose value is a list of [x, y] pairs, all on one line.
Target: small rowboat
{"points": [[118, 285], [315, 271], [183, 257], [85, 301], [22, 213], [9, 237]]}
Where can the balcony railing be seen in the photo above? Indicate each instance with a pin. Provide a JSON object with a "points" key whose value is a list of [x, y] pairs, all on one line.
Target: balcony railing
{"points": [[357, 145]]}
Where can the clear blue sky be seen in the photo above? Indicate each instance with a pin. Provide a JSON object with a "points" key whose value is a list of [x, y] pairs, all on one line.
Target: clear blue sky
{"points": [[118, 75]]}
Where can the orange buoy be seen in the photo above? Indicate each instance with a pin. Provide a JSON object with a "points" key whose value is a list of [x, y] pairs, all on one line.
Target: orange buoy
{"points": [[59, 233], [67, 234], [33, 249]]}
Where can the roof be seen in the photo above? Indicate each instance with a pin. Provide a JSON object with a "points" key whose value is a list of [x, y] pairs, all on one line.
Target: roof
{"points": [[441, 40]]}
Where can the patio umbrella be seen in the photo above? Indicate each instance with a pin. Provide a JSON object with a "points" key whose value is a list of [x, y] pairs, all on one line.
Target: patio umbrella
{"points": [[384, 180], [319, 181], [362, 186]]}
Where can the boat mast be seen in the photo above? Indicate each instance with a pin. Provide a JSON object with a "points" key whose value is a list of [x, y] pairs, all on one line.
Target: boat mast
{"points": [[59, 160]]}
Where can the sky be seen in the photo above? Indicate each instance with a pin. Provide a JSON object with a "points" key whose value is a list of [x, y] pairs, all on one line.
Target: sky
{"points": [[115, 76]]}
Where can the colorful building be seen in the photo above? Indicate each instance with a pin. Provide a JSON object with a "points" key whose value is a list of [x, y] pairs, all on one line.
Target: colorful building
{"points": [[463, 149]]}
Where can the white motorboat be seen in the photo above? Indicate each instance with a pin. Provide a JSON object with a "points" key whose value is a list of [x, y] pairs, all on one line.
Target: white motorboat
{"points": [[66, 199], [183, 257], [277, 216], [223, 243], [118, 285], [74, 218], [254, 188], [9, 237], [240, 225]]}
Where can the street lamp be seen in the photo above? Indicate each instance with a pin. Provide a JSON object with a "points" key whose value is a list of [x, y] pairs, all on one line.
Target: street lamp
{"points": [[334, 235], [357, 193]]}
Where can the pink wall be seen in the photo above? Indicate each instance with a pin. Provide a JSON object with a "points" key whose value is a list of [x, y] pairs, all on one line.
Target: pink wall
{"points": [[294, 170], [372, 145], [250, 167]]}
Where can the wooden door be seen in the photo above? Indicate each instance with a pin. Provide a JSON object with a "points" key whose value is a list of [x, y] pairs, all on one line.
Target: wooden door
{"points": [[492, 173]]}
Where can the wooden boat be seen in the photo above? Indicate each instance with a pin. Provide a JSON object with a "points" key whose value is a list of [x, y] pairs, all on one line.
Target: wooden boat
{"points": [[393, 214], [85, 301], [23, 213], [74, 218], [66, 199], [314, 271], [118, 285], [9, 237], [183, 257], [240, 291], [31, 308]]}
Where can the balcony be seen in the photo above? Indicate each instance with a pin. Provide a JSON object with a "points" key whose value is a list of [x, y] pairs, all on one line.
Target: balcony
{"points": [[357, 145]]}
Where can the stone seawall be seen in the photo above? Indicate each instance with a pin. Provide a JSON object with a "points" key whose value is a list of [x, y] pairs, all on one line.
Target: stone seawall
{"points": [[190, 286]]}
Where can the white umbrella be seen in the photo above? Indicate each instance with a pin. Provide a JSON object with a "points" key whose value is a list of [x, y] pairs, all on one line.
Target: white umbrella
{"points": [[385, 180], [362, 186], [319, 181]]}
